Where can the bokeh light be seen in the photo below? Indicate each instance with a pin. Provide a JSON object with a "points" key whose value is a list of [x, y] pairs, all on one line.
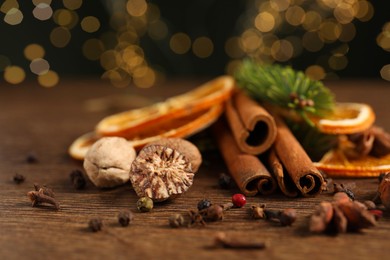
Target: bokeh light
{"points": [[180, 43], [203, 47], [92, 49], [90, 24], [315, 72], [7, 5], [14, 74], [43, 12], [13, 17], [60, 37], [4, 62], [49, 79], [72, 4], [34, 51], [385, 72], [39, 66]]}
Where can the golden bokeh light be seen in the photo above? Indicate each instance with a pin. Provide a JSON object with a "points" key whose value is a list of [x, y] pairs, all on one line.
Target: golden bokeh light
{"points": [[14, 74], [136, 7], [202, 47], [280, 5], [118, 78], [180, 43], [60, 37], [344, 12], [251, 40], [144, 77], [330, 31], [383, 39], [338, 61], [39, 66], [365, 11], [34, 51], [64, 17], [42, 12], [296, 43], [158, 30], [265, 22], [385, 72], [72, 4], [7, 5], [93, 48], [315, 72], [108, 60], [348, 32], [312, 21], [13, 17], [4, 62], [90, 24], [49, 79], [295, 15]]}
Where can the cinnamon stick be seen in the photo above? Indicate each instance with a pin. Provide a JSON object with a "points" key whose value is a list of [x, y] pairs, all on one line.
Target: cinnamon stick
{"points": [[250, 175], [254, 129], [295, 162]]}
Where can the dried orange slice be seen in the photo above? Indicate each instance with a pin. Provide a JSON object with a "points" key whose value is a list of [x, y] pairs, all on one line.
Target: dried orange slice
{"points": [[347, 118], [125, 124], [175, 127], [336, 164]]}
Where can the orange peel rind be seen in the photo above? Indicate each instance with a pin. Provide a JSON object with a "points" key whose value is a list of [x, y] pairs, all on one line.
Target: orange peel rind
{"points": [[346, 118]]}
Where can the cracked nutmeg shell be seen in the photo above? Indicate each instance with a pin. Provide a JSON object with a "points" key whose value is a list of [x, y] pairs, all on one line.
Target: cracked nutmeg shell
{"points": [[161, 173]]}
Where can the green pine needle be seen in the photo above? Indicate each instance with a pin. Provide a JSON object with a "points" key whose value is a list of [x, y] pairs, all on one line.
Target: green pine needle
{"points": [[285, 88]]}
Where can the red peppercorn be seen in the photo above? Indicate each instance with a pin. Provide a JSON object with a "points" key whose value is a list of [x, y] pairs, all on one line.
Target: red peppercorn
{"points": [[377, 213], [239, 200]]}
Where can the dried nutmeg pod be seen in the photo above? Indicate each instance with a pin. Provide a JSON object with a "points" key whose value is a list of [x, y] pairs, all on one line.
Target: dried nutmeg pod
{"points": [[188, 149], [161, 173]]}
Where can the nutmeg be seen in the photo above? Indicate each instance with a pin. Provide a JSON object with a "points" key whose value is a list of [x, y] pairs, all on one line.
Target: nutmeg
{"points": [[160, 173], [107, 162], [185, 147]]}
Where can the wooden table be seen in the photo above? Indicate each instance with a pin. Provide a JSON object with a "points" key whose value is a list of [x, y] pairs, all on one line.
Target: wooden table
{"points": [[45, 122]]}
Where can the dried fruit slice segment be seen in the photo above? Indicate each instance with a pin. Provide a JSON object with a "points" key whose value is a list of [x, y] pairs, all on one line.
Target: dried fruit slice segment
{"points": [[180, 127], [336, 164], [347, 118], [160, 173], [205, 96]]}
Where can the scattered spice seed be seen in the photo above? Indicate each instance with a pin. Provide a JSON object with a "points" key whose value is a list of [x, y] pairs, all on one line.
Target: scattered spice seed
{"points": [[95, 224], [125, 218], [47, 191], [227, 206], [39, 197], [221, 240], [176, 220], [188, 219], [212, 213], [378, 214], [145, 204], [239, 200], [203, 204], [285, 217], [257, 212], [31, 158], [384, 190], [77, 179], [18, 178], [342, 188]]}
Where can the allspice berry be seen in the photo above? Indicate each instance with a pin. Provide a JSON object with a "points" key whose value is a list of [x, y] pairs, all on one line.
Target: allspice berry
{"points": [[145, 204], [212, 213]]}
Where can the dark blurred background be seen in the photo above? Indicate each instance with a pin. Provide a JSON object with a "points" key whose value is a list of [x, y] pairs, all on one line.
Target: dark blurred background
{"points": [[144, 41]]}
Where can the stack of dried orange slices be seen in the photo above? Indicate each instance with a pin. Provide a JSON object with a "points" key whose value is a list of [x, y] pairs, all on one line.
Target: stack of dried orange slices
{"points": [[349, 118], [178, 116]]}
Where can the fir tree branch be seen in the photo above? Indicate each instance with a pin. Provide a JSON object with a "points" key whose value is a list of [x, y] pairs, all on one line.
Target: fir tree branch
{"points": [[285, 88]]}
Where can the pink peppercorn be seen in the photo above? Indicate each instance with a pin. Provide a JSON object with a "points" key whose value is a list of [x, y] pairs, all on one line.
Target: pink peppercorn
{"points": [[239, 200]]}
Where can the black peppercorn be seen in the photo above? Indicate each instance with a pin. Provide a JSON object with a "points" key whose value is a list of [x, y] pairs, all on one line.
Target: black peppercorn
{"points": [[31, 158], [77, 179], [95, 224], [203, 204], [125, 218], [224, 181], [18, 178]]}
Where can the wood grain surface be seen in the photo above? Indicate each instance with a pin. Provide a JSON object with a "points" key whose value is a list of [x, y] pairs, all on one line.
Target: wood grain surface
{"points": [[44, 122]]}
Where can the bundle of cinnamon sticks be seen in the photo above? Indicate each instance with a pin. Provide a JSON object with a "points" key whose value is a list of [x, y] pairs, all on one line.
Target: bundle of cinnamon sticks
{"points": [[249, 132]]}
